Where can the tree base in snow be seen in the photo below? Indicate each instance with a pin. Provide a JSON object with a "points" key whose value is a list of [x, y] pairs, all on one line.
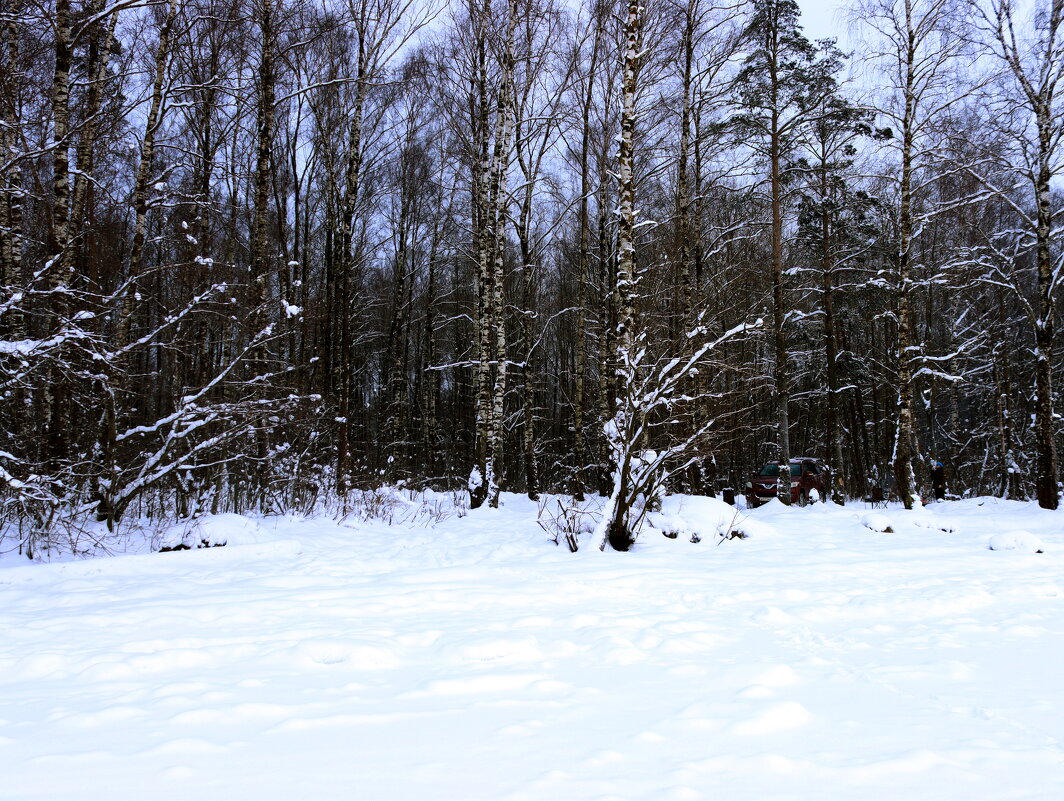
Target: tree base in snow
{"points": [[477, 496], [619, 537]]}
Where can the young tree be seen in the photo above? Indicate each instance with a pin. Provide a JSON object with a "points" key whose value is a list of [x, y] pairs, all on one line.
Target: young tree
{"points": [[492, 152], [648, 385], [625, 431]]}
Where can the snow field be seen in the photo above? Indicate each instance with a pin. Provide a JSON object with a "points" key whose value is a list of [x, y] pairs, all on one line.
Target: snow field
{"points": [[816, 659]]}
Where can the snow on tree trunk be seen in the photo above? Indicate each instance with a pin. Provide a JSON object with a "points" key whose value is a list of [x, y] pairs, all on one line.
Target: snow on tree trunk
{"points": [[904, 475], [11, 241], [480, 474], [624, 432]]}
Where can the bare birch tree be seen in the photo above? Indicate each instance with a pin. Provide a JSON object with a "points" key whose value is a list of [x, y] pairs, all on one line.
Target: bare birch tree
{"points": [[915, 45], [1028, 115]]}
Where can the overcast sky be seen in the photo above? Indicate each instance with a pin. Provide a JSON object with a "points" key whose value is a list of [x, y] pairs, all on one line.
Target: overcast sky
{"points": [[824, 18]]}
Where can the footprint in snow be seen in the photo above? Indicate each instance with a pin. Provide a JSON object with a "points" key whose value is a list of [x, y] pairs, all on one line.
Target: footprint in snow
{"points": [[335, 652]]}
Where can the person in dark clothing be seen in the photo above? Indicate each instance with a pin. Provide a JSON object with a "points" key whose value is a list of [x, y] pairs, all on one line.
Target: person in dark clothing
{"points": [[938, 480]]}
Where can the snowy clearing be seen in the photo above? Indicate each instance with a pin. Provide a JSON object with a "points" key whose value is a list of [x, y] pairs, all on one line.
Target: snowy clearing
{"points": [[813, 659]]}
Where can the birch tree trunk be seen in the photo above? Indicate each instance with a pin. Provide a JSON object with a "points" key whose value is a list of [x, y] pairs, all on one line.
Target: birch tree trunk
{"points": [[11, 193], [479, 478], [904, 475], [625, 429], [58, 244], [684, 226], [920, 41], [499, 212], [12, 322], [1037, 67]]}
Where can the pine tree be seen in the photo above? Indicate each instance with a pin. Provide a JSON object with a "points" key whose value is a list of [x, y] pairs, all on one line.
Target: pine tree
{"points": [[779, 91]]}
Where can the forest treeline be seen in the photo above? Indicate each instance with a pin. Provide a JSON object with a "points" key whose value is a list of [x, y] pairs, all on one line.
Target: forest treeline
{"points": [[257, 254]]}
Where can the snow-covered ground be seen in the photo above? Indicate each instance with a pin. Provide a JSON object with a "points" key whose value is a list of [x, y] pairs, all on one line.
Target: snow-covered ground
{"points": [[821, 657]]}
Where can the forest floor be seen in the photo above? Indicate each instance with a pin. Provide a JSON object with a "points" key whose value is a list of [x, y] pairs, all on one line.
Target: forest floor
{"points": [[476, 660]]}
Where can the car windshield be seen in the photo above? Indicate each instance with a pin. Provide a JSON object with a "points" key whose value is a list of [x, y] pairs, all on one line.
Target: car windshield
{"points": [[773, 469]]}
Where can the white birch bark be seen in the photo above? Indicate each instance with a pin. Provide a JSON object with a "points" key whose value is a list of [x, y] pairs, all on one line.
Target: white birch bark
{"points": [[10, 172], [625, 430], [1034, 61]]}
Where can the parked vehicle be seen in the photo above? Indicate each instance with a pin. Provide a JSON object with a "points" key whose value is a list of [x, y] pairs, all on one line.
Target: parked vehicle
{"points": [[807, 474]]}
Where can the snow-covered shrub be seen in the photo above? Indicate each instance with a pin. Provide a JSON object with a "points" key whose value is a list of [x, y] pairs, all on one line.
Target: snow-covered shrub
{"points": [[696, 518], [1023, 541], [649, 387], [404, 506], [877, 522], [210, 531], [565, 521]]}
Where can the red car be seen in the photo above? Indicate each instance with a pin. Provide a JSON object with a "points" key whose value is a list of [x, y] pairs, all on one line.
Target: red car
{"points": [[806, 475]]}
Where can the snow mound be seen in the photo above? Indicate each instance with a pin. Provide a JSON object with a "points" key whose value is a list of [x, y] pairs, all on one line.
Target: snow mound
{"points": [[698, 517], [211, 531], [877, 522], [756, 528], [775, 505], [1023, 541]]}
